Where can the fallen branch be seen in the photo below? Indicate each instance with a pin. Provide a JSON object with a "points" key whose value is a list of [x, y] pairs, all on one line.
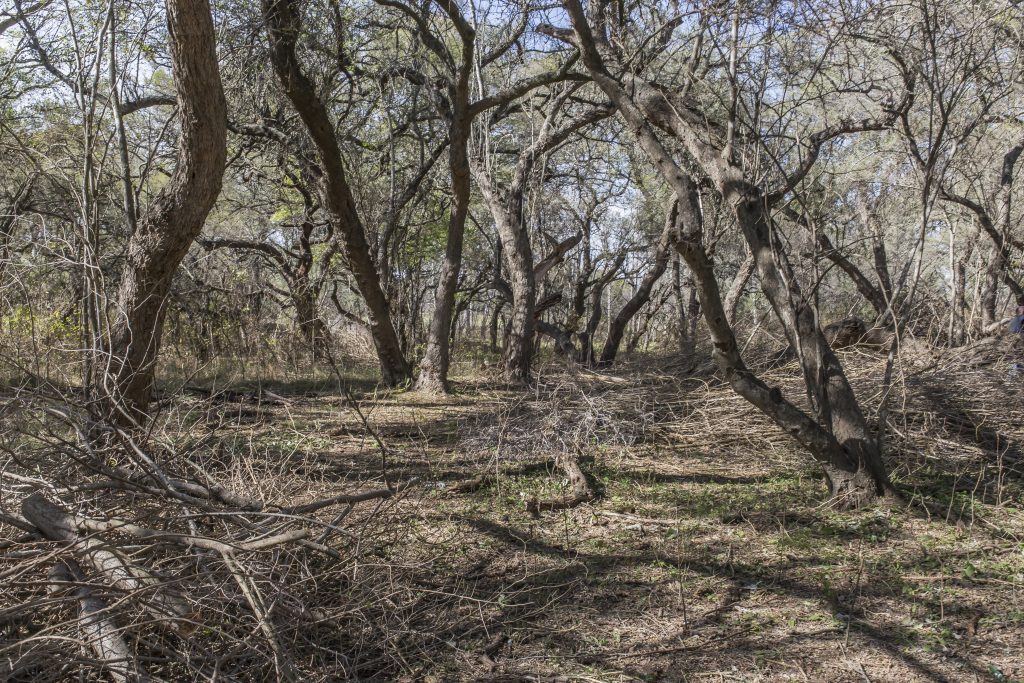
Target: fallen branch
{"points": [[170, 609], [107, 525], [98, 631], [349, 499], [488, 478], [636, 519], [581, 490]]}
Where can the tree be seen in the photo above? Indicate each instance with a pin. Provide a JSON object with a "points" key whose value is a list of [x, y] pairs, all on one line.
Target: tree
{"points": [[175, 217], [838, 435], [507, 207], [283, 27]]}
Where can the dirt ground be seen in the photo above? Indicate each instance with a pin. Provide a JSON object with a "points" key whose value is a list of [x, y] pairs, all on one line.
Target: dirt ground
{"points": [[710, 553]]}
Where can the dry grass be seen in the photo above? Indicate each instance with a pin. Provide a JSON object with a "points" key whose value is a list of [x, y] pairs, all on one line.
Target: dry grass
{"points": [[708, 555]]}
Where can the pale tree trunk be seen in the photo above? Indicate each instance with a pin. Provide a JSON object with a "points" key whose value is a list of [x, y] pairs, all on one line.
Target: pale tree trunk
{"points": [[175, 218], [518, 253], [455, 106], [283, 25]]}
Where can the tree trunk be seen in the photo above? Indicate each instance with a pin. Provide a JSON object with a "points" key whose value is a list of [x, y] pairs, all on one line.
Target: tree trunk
{"points": [[732, 298], [990, 286], [283, 26], [433, 376], [587, 355], [641, 296], [645, 323], [176, 216], [507, 210], [495, 319], [518, 256], [838, 435], [520, 348], [311, 325]]}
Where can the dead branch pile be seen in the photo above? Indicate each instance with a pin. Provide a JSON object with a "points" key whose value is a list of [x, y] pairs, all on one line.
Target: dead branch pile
{"points": [[124, 559], [956, 414], [563, 414], [561, 421]]}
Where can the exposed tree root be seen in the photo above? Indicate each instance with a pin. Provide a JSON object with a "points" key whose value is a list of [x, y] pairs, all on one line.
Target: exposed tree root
{"points": [[582, 492]]}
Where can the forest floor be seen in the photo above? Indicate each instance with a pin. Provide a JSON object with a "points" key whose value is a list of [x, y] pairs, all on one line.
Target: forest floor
{"points": [[710, 553]]}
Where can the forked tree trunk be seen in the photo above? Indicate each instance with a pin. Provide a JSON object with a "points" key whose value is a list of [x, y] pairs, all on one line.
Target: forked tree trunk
{"points": [[433, 376], [506, 206], [283, 26], [176, 216], [518, 256]]}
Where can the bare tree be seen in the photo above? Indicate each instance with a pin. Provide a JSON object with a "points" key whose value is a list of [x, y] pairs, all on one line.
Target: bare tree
{"points": [[642, 295]]}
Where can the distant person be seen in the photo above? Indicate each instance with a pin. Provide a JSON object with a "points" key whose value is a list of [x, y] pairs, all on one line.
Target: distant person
{"points": [[1017, 328], [1017, 322]]}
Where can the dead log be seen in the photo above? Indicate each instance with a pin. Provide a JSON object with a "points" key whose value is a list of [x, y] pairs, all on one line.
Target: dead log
{"points": [[99, 632], [168, 607]]}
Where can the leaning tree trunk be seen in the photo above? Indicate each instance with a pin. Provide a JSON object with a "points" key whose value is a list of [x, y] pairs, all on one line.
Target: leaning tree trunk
{"points": [[837, 435], [283, 24], [176, 216], [641, 296]]}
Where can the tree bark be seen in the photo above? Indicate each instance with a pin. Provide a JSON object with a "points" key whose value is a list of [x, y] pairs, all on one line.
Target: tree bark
{"points": [[98, 630], [311, 325], [732, 298], [642, 295], [433, 377], [837, 435], [495, 319], [507, 209], [176, 216], [283, 26]]}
